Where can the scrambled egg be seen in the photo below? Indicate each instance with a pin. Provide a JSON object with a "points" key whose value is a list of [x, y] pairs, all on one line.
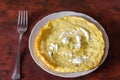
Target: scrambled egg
{"points": [[70, 44]]}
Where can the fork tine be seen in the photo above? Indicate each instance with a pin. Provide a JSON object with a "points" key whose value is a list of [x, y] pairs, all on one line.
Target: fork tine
{"points": [[19, 18], [26, 17]]}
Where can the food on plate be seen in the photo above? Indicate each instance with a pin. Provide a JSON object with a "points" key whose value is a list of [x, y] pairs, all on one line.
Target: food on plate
{"points": [[70, 44]]}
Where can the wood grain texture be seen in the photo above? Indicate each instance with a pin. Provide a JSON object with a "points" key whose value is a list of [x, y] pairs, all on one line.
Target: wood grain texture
{"points": [[106, 12]]}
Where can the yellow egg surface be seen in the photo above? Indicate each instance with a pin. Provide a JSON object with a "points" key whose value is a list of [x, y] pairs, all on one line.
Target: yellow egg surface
{"points": [[70, 44]]}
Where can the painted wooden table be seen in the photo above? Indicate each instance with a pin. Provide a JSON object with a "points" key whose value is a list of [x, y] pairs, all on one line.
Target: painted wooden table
{"points": [[105, 12]]}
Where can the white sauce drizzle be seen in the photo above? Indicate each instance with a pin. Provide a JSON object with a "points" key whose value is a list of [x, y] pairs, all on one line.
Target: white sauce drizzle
{"points": [[78, 39], [86, 33], [78, 45], [50, 53], [63, 34], [65, 40], [53, 46], [78, 60]]}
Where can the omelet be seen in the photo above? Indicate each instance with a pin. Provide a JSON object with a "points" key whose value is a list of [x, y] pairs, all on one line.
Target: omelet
{"points": [[70, 44]]}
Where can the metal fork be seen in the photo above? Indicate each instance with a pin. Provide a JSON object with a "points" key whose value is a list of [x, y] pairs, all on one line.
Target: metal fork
{"points": [[21, 28]]}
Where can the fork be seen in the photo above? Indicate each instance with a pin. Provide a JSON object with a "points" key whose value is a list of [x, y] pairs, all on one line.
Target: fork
{"points": [[21, 28]]}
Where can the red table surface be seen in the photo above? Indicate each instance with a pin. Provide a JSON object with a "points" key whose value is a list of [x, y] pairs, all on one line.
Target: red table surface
{"points": [[106, 12]]}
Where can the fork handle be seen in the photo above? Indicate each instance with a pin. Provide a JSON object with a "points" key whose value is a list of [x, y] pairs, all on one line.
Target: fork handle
{"points": [[16, 72]]}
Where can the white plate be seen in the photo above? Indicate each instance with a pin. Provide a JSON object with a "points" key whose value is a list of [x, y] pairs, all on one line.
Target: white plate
{"points": [[35, 32]]}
